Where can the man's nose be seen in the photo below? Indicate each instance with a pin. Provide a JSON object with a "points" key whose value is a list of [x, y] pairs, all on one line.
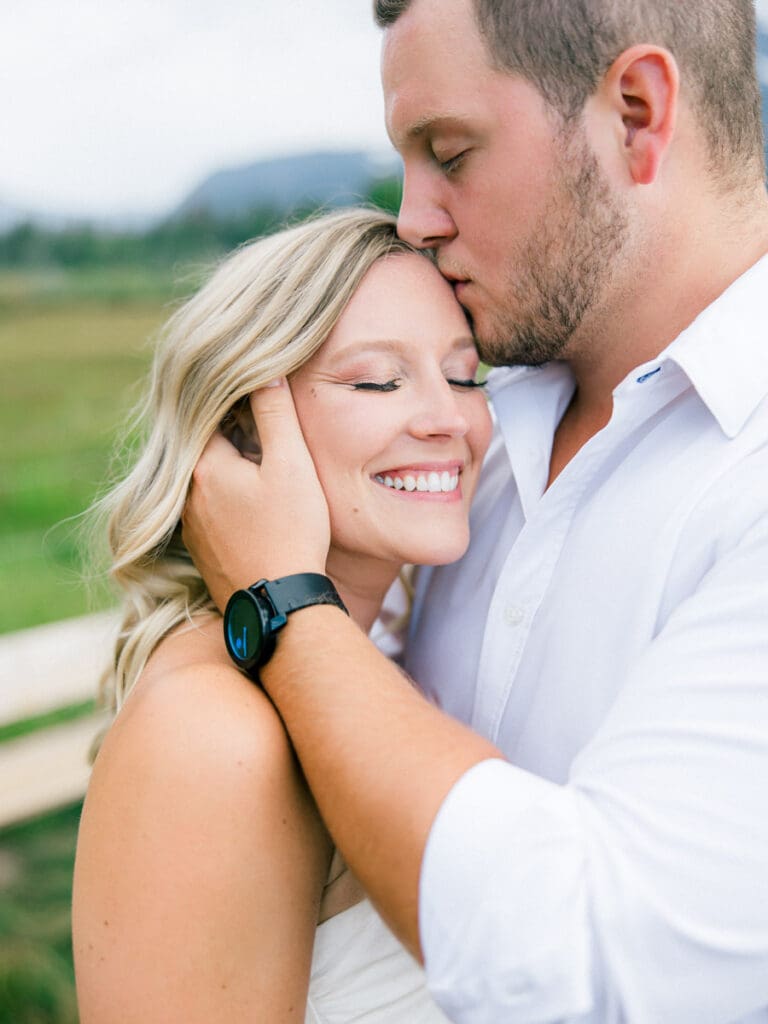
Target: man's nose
{"points": [[423, 221]]}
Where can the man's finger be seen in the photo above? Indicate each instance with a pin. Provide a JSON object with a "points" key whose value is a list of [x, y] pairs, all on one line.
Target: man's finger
{"points": [[218, 447], [217, 454], [277, 424]]}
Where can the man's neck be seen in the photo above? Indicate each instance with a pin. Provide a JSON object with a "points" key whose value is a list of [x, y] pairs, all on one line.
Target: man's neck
{"points": [[678, 282], [575, 429]]}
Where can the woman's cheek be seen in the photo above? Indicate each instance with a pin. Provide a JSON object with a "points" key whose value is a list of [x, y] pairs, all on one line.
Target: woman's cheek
{"points": [[482, 432]]}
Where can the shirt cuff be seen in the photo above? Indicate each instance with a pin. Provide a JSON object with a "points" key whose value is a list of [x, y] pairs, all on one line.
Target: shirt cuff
{"points": [[503, 903]]}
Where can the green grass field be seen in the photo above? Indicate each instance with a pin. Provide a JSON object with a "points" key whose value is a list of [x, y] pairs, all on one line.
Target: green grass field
{"points": [[71, 355], [73, 350], [36, 974]]}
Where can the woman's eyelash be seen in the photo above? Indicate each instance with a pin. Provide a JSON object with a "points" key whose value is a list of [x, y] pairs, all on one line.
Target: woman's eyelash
{"points": [[393, 385], [467, 383], [369, 385]]}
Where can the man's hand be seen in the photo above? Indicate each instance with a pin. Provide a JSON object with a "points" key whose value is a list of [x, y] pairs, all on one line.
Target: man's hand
{"points": [[244, 522]]}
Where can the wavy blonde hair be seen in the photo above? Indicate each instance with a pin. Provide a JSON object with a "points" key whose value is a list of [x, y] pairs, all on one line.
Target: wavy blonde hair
{"points": [[265, 311]]}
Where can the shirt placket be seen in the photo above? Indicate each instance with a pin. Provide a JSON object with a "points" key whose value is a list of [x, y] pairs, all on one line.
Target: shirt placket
{"points": [[522, 585], [528, 568]]}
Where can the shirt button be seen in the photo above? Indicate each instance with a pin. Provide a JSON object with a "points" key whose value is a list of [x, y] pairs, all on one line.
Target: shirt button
{"points": [[513, 615]]}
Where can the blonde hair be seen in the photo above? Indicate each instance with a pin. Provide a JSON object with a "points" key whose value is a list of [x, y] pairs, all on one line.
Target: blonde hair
{"points": [[265, 311]]}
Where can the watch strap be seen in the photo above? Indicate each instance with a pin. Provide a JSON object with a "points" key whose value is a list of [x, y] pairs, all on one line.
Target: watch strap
{"points": [[290, 593]]}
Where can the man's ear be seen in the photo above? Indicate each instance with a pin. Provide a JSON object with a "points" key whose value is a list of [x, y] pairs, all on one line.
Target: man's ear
{"points": [[642, 86]]}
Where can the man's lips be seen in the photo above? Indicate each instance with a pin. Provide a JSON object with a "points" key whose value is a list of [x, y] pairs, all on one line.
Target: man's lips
{"points": [[458, 284], [454, 279]]}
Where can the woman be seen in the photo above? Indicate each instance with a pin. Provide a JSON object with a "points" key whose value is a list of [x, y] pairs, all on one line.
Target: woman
{"points": [[204, 876]]}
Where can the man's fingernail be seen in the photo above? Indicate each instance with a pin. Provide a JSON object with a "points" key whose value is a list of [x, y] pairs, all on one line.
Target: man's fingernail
{"points": [[278, 382]]}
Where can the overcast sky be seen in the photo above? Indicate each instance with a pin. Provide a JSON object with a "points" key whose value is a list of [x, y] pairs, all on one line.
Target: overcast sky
{"points": [[119, 107], [113, 107]]}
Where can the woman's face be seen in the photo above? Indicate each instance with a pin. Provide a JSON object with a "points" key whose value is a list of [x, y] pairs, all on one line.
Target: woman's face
{"points": [[396, 430]]}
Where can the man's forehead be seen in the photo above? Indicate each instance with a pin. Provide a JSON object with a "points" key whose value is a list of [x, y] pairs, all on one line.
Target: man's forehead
{"points": [[430, 64], [430, 37]]}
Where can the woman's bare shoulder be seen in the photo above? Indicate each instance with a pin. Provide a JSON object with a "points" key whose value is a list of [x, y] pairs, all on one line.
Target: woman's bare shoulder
{"points": [[198, 834], [196, 642], [192, 712]]}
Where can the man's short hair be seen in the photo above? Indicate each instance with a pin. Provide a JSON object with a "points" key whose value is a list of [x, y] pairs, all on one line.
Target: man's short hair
{"points": [[564, 47]]}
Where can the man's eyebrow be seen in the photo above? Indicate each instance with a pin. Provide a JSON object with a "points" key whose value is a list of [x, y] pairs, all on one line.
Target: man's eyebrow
{"points": [[430, 123]]}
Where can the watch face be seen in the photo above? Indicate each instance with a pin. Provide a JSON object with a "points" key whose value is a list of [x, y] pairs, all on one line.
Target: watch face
{"points": [[245, 633]]}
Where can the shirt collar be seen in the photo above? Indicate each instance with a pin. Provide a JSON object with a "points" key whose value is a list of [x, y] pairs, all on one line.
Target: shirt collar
{"points": [[723, 352], [555, 373]]}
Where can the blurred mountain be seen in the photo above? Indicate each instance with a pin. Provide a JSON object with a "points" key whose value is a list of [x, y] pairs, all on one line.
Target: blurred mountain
{"points": [[10, 216], [287, 183]]}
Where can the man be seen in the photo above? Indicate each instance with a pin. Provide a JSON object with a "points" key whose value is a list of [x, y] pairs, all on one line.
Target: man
{"points": [[595, 848]]}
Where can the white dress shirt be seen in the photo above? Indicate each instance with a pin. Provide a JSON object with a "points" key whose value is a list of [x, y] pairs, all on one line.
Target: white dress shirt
{"points": [[610, 635]]}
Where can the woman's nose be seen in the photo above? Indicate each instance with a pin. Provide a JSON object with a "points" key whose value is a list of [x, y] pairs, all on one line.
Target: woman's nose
{"points": [[440, 414]]}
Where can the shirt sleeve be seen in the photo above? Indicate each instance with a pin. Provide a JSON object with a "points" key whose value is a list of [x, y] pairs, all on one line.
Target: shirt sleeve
{"points": [[639, 890]]}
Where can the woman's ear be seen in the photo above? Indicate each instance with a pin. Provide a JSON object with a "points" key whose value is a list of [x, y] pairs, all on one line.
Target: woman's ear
{"points": [[643, 87]]}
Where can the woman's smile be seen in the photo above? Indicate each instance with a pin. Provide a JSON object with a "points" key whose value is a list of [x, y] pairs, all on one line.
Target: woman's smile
{"points": [[435, 480]]}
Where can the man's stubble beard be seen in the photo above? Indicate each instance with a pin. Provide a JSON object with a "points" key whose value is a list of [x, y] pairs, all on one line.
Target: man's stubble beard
{"points": [[562, 271]]}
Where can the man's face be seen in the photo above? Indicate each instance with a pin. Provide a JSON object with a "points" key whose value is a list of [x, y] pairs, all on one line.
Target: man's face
{"points": [[516, 205]]}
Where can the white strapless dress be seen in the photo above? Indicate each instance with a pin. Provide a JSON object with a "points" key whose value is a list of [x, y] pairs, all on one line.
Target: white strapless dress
{"points": [[361, 974]]}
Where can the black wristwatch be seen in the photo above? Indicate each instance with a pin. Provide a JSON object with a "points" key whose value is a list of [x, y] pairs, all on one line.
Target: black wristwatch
{"points": [[254, 617]]}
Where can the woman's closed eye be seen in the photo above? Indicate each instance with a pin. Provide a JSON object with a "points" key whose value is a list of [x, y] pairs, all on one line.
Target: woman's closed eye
{"points": [[369, 385], [393, 385], [470, 383]]}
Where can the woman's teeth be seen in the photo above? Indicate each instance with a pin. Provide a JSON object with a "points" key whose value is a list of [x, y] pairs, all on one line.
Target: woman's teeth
{"points": [[433, 482]]}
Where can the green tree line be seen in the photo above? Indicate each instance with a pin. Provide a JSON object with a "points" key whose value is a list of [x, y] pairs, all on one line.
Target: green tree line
{"points": [[194, 235]]}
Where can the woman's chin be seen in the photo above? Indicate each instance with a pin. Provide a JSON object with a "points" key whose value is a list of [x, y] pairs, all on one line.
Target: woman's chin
{"points": [[441, 552], [434, 545]]}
